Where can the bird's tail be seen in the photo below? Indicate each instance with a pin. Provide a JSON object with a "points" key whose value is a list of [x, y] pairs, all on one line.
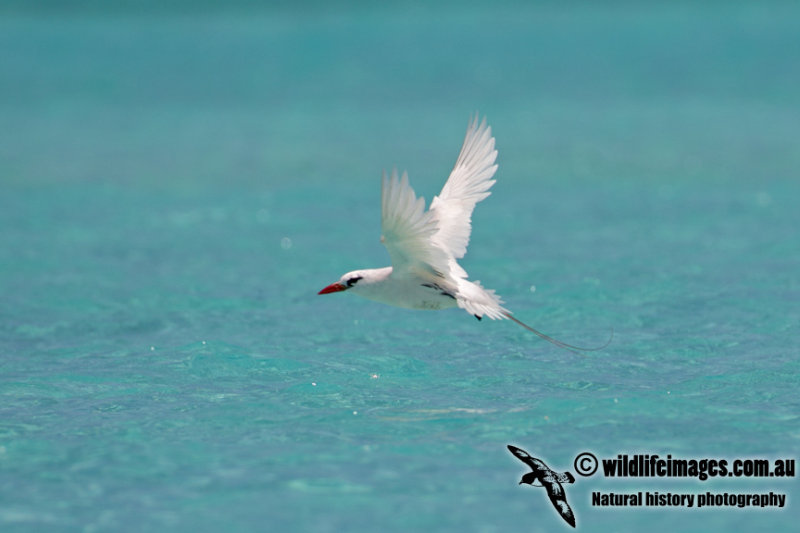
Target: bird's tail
{"points": [[564, 345], [479, 301]]}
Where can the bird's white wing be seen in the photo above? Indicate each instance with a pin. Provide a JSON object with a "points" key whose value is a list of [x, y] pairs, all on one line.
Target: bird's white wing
{"points": [[468, 184], [407, 229]]}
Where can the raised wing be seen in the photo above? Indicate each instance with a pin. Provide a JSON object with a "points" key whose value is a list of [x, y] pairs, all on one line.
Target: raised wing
{"points": [[537, 465], [468, 184], [407, 229]]}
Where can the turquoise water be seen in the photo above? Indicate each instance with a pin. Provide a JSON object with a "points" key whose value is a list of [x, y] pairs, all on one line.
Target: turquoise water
{"points": [[177, 186]]}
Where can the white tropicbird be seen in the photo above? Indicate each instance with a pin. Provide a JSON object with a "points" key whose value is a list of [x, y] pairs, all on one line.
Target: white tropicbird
{"points": [[424, 245]]}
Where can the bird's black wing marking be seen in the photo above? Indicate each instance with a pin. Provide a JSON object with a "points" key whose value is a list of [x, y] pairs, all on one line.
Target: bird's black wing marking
{"points": [[443, 292], [556, 493], [520, 454], [525, 457]]}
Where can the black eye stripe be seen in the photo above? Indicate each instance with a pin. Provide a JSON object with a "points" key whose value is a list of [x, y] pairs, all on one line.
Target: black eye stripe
{"points": [[352, 281]]}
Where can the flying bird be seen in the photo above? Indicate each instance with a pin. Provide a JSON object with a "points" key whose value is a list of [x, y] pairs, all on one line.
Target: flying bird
{"points": [[542, 476], [425, 246]]}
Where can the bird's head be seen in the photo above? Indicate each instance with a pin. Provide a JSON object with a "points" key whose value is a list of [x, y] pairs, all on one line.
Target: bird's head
{"points": [[348, 281], [530, 479]]}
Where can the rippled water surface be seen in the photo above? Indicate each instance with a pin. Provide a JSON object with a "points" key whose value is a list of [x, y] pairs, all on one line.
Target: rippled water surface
{"points": [[176, 186]]}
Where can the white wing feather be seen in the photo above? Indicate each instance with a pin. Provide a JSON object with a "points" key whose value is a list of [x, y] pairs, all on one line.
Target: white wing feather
{"points": [[468, 184], [407, 229], [431, 241]]}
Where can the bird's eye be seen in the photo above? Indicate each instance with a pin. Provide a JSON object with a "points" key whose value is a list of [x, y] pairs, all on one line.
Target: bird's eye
{"points": [[352, 281]]}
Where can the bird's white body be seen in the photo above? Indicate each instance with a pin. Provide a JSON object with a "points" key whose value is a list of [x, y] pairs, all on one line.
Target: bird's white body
{"points": [[411, 292], [425, 245]]}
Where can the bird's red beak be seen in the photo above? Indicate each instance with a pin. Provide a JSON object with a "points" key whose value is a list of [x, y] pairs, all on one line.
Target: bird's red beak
{"points": [[333, 287]]}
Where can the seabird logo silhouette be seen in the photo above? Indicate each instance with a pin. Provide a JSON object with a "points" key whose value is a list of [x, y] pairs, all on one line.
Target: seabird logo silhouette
{"points": [[542, 476]]}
